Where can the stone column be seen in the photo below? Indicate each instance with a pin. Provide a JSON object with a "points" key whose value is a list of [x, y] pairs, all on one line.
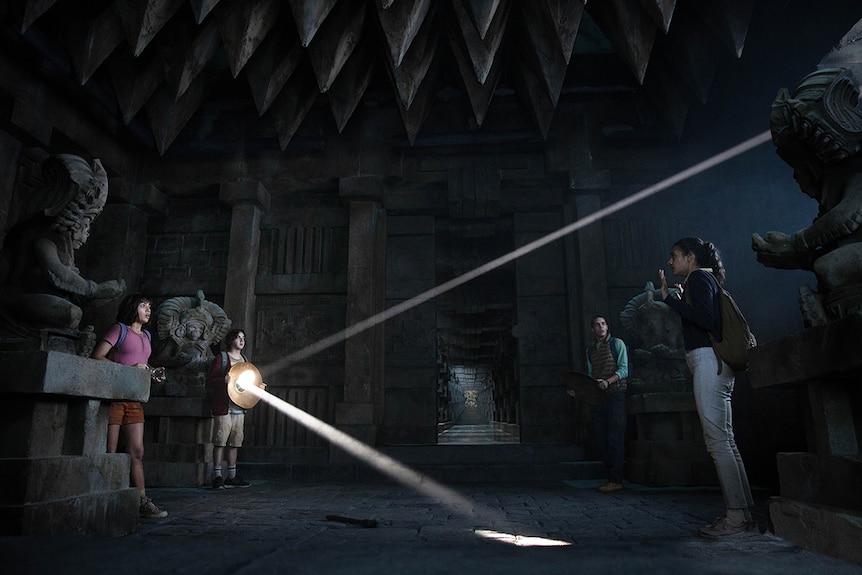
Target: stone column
{"points": [[249, 200], [361, 411]]}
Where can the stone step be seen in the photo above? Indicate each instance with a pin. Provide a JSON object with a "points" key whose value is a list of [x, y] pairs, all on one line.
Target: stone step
{"points": [[448, 464]]}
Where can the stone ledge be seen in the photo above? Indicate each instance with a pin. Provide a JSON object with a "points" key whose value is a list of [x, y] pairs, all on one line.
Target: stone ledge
{"points": [[819, 352], [56, 373], [823, 529]]}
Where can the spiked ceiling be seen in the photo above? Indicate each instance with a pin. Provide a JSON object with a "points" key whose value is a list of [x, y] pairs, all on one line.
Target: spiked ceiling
{"points": [[154, 64]]}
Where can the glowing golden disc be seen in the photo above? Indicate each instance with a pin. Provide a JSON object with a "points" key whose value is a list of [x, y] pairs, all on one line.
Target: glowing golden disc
{"points": [[243, 375]]}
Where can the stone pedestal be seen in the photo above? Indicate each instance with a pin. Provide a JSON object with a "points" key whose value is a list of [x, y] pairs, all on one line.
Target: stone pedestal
{"points": [[665, 445], [819, 507], [178, 448], [55, 477]]}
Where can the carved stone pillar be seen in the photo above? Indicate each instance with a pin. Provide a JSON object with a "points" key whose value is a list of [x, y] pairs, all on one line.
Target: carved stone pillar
{"points": [[249, 200], [361, 411]]}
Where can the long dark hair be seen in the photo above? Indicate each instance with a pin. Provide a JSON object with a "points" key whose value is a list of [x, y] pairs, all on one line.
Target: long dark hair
{"points": [[127, 313], [705, 254]]}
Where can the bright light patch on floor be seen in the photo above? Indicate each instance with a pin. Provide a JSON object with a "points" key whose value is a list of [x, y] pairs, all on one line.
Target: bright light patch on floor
{"points": [[520, 540]]}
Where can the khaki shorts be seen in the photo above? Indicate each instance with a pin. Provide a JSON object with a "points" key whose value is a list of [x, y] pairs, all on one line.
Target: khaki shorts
{"points": [[227, 430], [125, 413]]}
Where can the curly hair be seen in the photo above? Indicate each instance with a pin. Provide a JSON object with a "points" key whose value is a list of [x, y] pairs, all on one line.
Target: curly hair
{"points": [[231, 336], [705, 254], [127, 313]]}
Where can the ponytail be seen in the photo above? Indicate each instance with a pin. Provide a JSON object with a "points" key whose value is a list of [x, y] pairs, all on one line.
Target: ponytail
{"points": [[705, 254]]}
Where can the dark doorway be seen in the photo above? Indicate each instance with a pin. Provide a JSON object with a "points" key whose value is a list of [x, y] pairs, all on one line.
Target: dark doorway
{"points": [[477, 392]]}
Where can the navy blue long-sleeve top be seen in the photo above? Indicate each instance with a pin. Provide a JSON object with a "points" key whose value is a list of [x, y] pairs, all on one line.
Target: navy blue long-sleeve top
{"points": [[699, 309]]}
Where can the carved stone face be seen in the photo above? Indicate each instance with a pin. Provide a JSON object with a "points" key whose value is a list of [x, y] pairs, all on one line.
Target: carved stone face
{"points": [[194, 330], [81, 233]]}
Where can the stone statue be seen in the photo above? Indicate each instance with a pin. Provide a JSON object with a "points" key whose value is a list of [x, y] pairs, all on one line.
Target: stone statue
{"points": [[818, 131], [41, 289], [188, 326], [654, 336]]}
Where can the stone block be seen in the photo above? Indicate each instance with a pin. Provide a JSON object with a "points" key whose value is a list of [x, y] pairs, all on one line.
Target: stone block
{"points": [[822, 479], [414, 435], [27, 481], [354, 413], [409, 408], [819, 528], [819, 352], [112, 514]]}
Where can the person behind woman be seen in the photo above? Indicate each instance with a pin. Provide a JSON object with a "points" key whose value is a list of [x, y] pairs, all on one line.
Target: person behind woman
{"points": [[700, 264], [128, 416]]}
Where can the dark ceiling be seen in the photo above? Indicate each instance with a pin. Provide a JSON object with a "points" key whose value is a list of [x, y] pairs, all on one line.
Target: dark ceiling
{"points": [[182, 76]]}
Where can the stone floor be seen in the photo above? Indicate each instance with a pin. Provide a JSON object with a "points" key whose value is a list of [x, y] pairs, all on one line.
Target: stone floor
{"points": [[535, 527]]}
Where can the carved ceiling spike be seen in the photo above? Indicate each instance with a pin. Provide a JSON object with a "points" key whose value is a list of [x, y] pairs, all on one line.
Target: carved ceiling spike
{"points": [[480, 94], [669, 94], [385, 4], [272, 64], [243, 26], [482, 13], [334, 43], [694, 52], [309, 15], [482, 50], [185, 51], [414, 117], [414, 66], [168, 115], [401, 24], [541, 44], [349, 87], [293, 103], [729, 20], [661, 11], [142, 20], [534, 95], [33, 10], [201, 8], [133, 86], [566, 16], [630, 30], [93, 43]]}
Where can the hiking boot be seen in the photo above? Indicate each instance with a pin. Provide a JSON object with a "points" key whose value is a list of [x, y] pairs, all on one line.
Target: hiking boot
{"points": [[148, 509], [236, 482], [610, 486], [724, 528], [218, 482]]}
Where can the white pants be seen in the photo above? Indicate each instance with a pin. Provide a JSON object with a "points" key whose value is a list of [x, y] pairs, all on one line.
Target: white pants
{"points": [[712, 397]]}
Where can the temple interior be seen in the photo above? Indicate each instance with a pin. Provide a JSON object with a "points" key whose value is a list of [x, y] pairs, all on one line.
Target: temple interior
{"points": [[413, 208]]}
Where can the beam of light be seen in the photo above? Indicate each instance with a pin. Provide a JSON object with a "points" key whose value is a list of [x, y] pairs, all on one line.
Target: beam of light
{"points": [[380, 461], [398, 471], [397, 309], [520, 540]]}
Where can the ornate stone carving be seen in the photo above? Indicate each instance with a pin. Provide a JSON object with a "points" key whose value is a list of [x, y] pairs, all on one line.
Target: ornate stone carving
{"points": [[817, 130], [187, 327], [654, 337], [41, 289]]}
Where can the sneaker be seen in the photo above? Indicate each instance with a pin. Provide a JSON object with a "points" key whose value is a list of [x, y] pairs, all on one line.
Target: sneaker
{"points": [[236, 482], [610, 486], [724, 528], [149, 509], [218, 482]]}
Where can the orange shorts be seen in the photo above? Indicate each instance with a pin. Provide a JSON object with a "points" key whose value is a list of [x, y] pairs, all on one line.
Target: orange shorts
{"points": [[125, 412]]}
